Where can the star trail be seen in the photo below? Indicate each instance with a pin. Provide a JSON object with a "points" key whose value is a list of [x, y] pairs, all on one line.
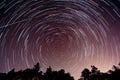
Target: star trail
{"points": [[63, 34]]}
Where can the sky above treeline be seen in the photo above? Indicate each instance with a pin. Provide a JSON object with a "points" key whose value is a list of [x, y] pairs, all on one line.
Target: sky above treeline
{"points": [[63, 34]]}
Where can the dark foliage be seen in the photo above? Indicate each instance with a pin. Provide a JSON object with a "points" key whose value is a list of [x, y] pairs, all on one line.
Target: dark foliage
{"points": [[95, 74], [36, 74]]}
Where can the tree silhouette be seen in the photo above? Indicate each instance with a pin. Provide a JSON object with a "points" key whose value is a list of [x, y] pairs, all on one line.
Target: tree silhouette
{"points": [[36, 74], [85, 74], [95, 74], [94, 69], [116, 72], [36, 67]]}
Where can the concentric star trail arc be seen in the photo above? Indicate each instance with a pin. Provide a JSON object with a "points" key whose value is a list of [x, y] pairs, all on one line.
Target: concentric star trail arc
{"points": [[68, 34]]}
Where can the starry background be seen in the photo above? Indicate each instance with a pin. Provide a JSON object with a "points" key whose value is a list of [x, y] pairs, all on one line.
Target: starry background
{"points": [[63, 34]]}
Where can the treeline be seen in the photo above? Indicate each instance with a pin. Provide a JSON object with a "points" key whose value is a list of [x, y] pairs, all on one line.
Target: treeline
{"points": [[36, 74], [95, 74]]}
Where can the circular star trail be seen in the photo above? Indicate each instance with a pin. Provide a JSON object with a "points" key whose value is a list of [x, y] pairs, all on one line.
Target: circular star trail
{"points": [[63, 34]]}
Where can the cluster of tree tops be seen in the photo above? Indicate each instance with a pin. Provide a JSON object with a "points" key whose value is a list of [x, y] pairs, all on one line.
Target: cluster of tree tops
{"points": [[36, 74], [95, 74]]}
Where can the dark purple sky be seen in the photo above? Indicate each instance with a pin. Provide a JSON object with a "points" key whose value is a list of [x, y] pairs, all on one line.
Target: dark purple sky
{"points": [[68, 34]]}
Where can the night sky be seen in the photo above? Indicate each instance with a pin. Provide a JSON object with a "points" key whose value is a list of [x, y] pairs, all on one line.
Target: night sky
{"points": [[63, 34]]}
